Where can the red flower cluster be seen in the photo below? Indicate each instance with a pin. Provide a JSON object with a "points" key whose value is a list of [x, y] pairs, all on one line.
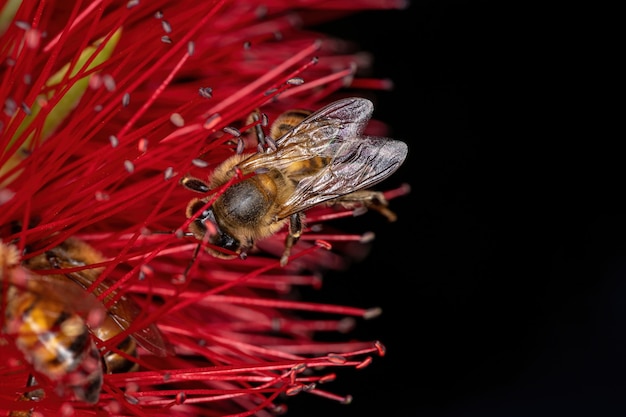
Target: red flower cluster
{"points": [[107, 105]]}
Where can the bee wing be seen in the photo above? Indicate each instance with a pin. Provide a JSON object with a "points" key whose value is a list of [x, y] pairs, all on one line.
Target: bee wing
{"points": [[148, 337], [357, 163], [345, 118], [333, 133], [350, 115], [123, 311], [60, 290]]}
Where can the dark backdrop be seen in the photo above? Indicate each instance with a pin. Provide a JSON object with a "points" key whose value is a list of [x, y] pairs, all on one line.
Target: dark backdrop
{"points": [[503, 282]]}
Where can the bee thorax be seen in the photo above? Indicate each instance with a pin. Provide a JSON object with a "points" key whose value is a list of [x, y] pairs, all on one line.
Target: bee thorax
{"points": [[246, 202]]}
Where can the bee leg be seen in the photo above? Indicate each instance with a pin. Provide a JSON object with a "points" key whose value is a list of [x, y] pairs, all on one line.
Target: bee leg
{"points": [[245, 248], [194, 184], [373, 200], [262, 141], [34, 395], [258, 130], [295, 231]]}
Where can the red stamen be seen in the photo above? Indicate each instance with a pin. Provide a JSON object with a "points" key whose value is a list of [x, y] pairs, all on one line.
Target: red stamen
{"points": [[239, 343]]}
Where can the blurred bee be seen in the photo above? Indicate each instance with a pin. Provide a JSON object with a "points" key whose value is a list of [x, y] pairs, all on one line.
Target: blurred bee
{"points": [[319, 157], [53, 319]]}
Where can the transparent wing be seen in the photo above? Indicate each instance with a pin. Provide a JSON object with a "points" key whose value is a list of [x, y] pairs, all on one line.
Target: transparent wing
{"points": [[148, 337], [57, 289], [356, 163], [350, 161], [345, 118], [122, 312]]}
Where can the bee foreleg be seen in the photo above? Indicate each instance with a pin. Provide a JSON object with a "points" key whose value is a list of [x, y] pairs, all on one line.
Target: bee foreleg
{"points": [[244, 249], [295, 231], [374, 200], [258, 129], [35, 395], [194, 184]]}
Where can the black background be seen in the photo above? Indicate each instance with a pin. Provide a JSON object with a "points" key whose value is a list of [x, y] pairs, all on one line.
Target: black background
{"points": [[503, 282]]}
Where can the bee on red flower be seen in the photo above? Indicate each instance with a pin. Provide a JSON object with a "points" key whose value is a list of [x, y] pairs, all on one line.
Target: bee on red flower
{"points": [[54, 320], [320, 158]]}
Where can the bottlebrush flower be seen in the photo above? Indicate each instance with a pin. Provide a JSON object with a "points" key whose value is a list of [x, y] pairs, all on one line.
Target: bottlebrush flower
{"points": [[107, 105]]}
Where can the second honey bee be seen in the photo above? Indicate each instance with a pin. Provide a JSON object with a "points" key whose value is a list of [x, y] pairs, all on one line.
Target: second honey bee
{"points": [[55, 321], [319, 157]]}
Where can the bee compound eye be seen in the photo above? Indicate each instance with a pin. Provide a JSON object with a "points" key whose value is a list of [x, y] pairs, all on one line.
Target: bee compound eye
{"points": [[206, 226], [226, 241], [194, 206]]}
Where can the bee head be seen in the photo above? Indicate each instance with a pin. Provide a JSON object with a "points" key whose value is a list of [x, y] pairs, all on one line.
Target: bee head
{"points": [[206, 226]]}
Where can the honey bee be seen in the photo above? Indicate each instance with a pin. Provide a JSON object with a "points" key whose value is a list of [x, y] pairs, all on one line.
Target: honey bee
{"points": [[319, 157], [54, 320]]}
